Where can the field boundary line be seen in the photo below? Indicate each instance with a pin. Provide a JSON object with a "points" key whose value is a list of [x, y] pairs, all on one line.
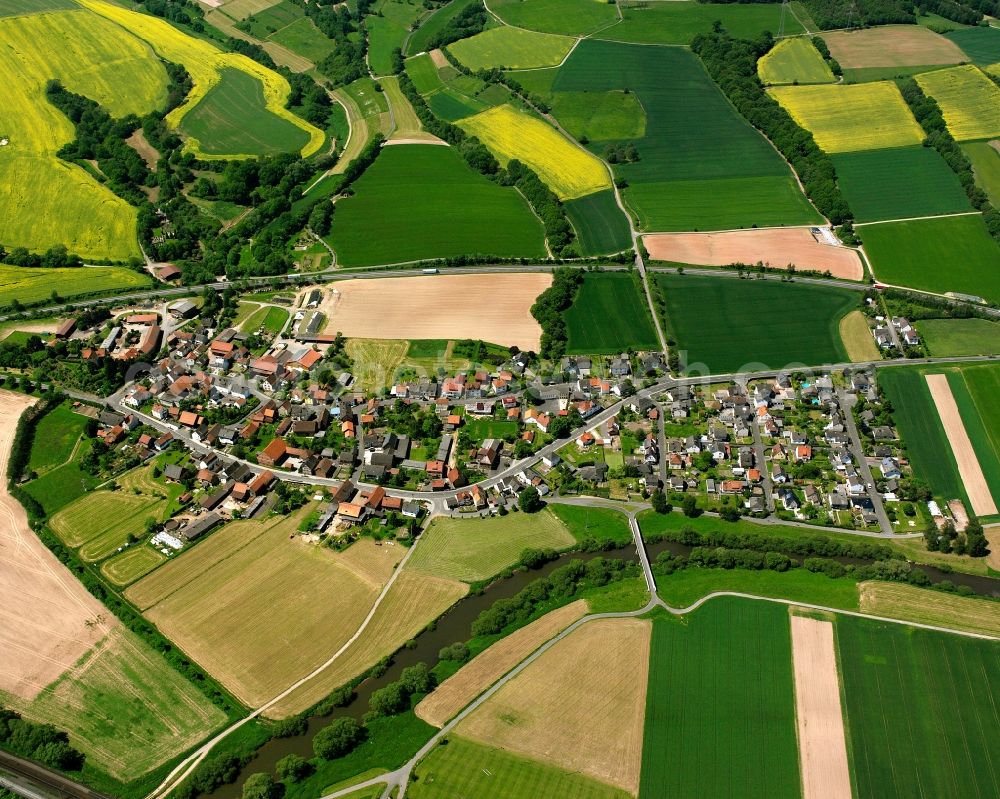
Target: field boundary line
{"points": [[183, 769], [918, 218]]}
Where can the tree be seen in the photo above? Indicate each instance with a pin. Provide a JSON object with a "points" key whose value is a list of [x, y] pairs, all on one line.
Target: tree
{"points": [[389, 700], [293, 768], [338, 738], [261, 786], [660, 504], [976, 544], [690, 506], [529, 501], [416, 679], [458, 652]]}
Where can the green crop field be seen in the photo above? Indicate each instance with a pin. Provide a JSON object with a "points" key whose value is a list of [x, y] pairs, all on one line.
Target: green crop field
{"points": [[466, 769], [29, 285], [701, 166], [601, 524], [451, 106], [429, 204], [47, 201], [920, 710], [985, 160], [976, 388], [387, 30], [953, 337], [944, 254], [721, 703], [131, 565], [478, 548], [919, 426], [12, 8], [571, 17], [303, 37], [513, 48], [981, 45], [233, 118], [794, 61], [801, 327], [55, 438], [433, 25], [270, 318], [609, 315], [600, 225], [679, 22], [899, 183]]}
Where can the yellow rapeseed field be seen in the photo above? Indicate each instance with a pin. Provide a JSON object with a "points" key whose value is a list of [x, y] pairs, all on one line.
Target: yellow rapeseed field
{"points": [[969, 100], [205, 64], [568, 170], [843, 119], [45, 201]]}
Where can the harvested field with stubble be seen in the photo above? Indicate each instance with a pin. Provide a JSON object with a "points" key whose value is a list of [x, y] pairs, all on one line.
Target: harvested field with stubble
{"points": [[125, 708], [858, 339], [259, 611], [908, 603], [579, 707], [892, 46], [969, 469], [775, 247], [413, 602], [822, 746], [493, 308], [48, 620], [489, 666]]}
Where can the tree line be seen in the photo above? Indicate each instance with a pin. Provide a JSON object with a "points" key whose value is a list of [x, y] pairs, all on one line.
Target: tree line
{"points": [[928, 114], [548, 310], [732, 63], [42, 743]]}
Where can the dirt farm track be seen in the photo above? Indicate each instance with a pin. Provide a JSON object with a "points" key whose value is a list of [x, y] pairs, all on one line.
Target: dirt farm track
{"points": [[494, 308], [48, 620], [775, 247]]}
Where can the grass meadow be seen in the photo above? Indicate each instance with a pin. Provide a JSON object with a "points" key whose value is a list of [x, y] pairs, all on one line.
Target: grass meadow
{"points": [[62, 485], [569, 170], [512, 48], [701, 165], [569, 17], [429, 204], [476, 549], [940, 255], [683, 588], [920, 710], [286, 24], [985, 160], [102, 521], [465, 768], [233, 118], [953, 337], [920, 428], [387, 30], [424, 74], [132, 564], [601, 226], [680, 21], [720, 707], [907, 602], [47, 201], [723, 324], [899, 183], [794, 61], [848, 118], [268, 317], [609, 315], [969, 100], [601, 524], [55, 439]]}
